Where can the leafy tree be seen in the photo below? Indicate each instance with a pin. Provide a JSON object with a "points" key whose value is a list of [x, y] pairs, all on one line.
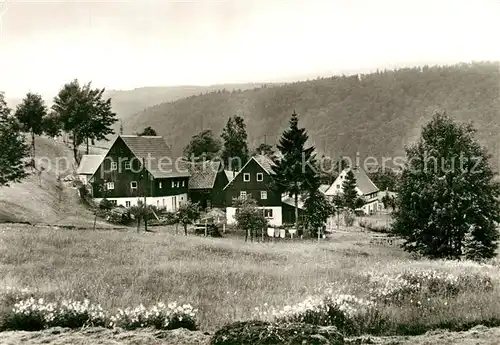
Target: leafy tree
{"points": [[447, 192], [249, 217], [264, 149], [148, 131], [235, 147], [295, 172], [13, 147], [203, 145], [140, 211], [317, 211], [84, 114], [187, 214], [51, 124], [384, 179], [31, 114]]}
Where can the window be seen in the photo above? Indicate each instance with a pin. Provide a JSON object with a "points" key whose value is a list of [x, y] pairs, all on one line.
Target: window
{"points": [[114, 166], [127, 203], [127, 166], [173, 184], [246, 177], [178, 184], [110, 185], [243, 194], [260, 177], [338, 186], [159, 185], [263, 194], [183, 183], [268, 212], [133, 185], [113, 202]]}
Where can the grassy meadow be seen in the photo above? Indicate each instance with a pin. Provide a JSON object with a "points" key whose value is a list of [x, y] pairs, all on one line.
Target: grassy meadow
{"points": [[226, 279]]}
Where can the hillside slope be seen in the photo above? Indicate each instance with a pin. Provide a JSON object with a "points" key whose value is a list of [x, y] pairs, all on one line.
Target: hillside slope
{"points": [[374, 114], [42, 199]]}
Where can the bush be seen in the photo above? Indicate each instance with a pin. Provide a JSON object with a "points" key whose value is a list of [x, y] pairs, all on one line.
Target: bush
{"points": [[105, 204], [373, 227], [31, 315], [348, 218]]}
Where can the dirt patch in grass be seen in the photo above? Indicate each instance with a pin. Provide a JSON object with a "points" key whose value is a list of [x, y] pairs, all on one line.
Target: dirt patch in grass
{"points": [[60, 336]]}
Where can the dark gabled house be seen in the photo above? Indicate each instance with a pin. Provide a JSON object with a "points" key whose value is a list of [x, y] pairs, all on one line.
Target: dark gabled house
{"points": [[121, 179], [206, 184], [254, 180]]}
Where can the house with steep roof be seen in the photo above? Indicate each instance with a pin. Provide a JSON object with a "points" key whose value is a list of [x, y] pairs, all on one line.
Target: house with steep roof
{"points": [[138, 167], [365, 187], [88, 166], [254, 180], [206, 183]]}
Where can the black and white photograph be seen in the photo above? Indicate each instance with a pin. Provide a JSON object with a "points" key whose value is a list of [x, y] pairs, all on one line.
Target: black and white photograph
{"points": [[249, 172]]}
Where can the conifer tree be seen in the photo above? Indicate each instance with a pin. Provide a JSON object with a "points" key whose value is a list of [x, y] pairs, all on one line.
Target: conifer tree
{"points": [[349, 193], [13, 148], [448, 202], [31, 114], [295, 172]]}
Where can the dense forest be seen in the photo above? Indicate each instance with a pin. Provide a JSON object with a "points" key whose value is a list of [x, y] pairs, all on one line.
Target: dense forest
{"points": [[368, 114]]}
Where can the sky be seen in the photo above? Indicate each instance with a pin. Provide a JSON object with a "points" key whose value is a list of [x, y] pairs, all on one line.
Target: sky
{"points": [[130, 44]]}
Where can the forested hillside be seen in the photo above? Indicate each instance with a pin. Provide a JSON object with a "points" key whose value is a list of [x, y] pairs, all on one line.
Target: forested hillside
{"points": [[374, 114]]}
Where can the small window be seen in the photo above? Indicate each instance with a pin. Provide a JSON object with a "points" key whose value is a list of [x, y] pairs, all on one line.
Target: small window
{"points": [[338, 186], [159, 185], [114, 166], [127, 166], [178, 184], [110, 185], [183, 183], [133, 184], [173, 184], [243, 194], [268, 213], [127, 203], [263, 194], [246, 177], [113, 202], [260, 177]]}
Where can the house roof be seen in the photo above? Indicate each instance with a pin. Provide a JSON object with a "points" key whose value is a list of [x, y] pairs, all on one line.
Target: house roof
{"points": [[159, 159], [265, 163], [323, 188], [286, 199], [229, 174], [203, 174], [89, 164], [363, 182]]}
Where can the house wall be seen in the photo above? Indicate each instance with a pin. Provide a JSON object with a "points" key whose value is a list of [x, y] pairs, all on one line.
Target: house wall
{"points": [[170, 203], [253, 187], [276, 220], [288, 214], [122, 178]]}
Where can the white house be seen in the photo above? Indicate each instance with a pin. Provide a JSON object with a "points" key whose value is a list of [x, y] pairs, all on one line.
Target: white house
{"points": [[364, 186], [88, 166]]}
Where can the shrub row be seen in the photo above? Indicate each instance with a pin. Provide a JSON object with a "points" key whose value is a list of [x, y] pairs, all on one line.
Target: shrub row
{"points": [[36, 314]]}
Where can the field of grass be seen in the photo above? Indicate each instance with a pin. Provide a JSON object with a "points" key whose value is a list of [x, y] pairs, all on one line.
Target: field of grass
{"points": [[226, 279]]}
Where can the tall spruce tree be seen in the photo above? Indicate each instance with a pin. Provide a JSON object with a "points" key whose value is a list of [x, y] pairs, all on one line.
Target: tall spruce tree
{"points": [[235, 149], [349, 193], [448, 202], [31, 115], [13, 147], [295, 172]]}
